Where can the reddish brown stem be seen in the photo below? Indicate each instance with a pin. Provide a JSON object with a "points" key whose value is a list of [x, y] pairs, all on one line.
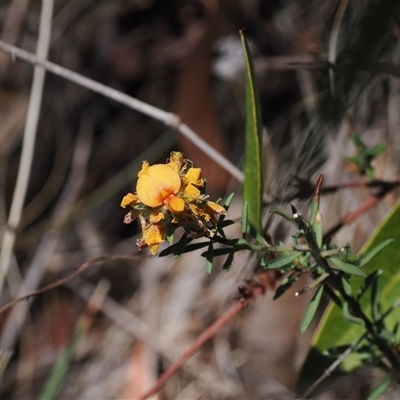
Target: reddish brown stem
{"points": [[253, 289], [353, 215], [362, 184]]}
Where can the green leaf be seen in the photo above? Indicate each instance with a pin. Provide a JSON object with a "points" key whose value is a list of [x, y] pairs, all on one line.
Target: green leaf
{"points": [[226, 223], [309, 314], [319, 232], [346, 286], [366, 258], [245, 218], [333, 330], [361, 147], [219, 252], [253, 187], [282, 214], [286, 284], [350, 317], [346, 267], [210, 258], [379, 389], [178, 248], [375, 300], [371, 278], [170, 238], [314, 211], [195, 246], [228, 262], [281, 262], [378, 149], [228, 201]]}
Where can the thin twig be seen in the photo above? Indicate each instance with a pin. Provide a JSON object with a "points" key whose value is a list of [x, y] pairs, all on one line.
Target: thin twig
{"points": [[28, 144], [253, 289], [167, 118], [362, 184], [56, 284], [353, 215], [334, 365]]}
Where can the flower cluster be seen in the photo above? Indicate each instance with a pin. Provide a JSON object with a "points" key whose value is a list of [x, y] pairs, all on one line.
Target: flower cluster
{"points": [[168, 196]]}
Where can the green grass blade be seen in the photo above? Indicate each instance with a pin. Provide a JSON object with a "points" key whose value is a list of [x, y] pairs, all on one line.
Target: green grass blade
{"points": [[253, 186], [62, 365]]}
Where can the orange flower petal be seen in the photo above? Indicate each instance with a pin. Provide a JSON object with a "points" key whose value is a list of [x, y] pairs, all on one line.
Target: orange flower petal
{"points": [[174, 204], [216, 208], [199, 212], [145, 167], [191, 191], [156, 183], [176, 157], [129, 200], [156, 218], [153, 235], [193, 176]]}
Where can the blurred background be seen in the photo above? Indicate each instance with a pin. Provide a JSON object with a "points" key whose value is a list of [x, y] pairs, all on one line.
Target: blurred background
{"points": [[183, 57]]}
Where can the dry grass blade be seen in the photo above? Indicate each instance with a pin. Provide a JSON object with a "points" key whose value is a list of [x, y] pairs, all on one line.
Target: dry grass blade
{"points": [[28, 143], [47, 246]]}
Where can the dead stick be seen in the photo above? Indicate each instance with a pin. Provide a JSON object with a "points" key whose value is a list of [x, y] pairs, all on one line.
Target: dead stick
{"points": [[253, 289]]}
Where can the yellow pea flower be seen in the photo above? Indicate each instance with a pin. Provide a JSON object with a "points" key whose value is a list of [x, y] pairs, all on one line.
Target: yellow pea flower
{"points": [[156, 184], [168, 196]]}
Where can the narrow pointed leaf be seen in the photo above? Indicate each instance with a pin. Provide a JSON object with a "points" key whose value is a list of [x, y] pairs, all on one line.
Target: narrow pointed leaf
{"points": [[281, 262], [319, 230], [375, 301], [314, 211], [253, 171], [228, 201], [379, 389], [346, 286], [228, 262], [195, 246], [210, 258], [282, 214], [375, 251], [286, 284], [350, 317], [309, 314], [245, 218], [371, 278], [348, 268]]}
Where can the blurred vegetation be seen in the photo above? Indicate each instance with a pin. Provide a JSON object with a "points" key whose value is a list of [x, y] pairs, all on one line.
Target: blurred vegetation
{"points": [[184, 57]]}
